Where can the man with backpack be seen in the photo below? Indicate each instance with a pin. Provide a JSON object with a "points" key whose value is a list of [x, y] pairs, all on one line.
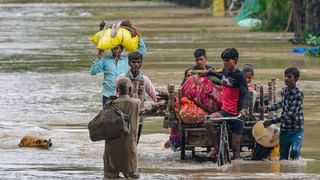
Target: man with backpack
{"points": [[120, 154]]}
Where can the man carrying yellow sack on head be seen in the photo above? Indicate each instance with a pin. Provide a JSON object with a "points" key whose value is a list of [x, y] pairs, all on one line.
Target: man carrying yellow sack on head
{"points": [[123, 33], [112, 66]]}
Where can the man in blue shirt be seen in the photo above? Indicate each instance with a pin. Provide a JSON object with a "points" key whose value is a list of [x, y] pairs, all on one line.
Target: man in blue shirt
{"points": [[112, 67]]}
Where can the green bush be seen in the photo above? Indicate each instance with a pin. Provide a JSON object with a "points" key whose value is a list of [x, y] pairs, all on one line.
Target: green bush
{"points": [[278, 17]]}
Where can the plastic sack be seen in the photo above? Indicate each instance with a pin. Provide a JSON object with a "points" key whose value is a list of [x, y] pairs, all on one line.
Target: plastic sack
{"points": [[189, 113], [104, 41], [130, 43], [203, 92]]}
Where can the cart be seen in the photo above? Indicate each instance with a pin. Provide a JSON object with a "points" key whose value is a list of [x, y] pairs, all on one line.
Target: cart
{"points": [[194, 136]]}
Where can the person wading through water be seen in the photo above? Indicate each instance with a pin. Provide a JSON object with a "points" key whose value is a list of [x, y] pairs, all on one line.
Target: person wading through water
{"points": [[141, 83], [120, 154], [112, 66]]}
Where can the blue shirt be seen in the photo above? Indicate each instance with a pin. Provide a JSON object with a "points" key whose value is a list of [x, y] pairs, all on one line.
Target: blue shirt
{"points": [[112, 70]]}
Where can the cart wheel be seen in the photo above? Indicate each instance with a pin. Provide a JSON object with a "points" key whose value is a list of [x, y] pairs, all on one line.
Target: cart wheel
{"points": [[183, 145]]}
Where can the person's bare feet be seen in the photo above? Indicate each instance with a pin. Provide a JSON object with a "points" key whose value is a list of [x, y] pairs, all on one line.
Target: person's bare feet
{"points": [[212, 153], [167, 144]]}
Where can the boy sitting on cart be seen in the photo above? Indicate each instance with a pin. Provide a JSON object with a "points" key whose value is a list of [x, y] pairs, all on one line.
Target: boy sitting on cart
{"points": [[235, 101]]}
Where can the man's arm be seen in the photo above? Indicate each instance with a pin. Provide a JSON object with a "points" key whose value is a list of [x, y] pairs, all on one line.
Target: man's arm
{"points": [[142, 46], [293, 109], [150, 90], [244, 94], [277, 105], [97, 66]]}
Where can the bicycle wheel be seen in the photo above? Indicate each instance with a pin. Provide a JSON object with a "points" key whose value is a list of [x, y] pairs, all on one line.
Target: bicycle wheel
{"points": [[223, 154]]}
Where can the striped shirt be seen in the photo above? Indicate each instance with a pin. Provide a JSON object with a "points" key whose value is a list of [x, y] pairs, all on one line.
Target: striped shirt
{"points": [[292, 109]]}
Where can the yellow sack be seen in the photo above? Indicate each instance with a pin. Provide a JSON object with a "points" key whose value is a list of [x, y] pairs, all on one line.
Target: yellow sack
{"points": [[130, 43], [104, 41]]}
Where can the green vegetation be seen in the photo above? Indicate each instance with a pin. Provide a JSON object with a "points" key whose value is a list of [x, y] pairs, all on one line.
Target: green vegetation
{"points": [[312, 39], [273, 15]]}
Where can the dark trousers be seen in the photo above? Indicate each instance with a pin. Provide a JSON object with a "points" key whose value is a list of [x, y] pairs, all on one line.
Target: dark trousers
{"points": [[260, 152]]}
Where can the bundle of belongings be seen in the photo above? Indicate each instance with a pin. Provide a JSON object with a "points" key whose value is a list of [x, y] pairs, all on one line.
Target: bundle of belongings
{"points": [[122, 33], [109, 124], [200, 97]]}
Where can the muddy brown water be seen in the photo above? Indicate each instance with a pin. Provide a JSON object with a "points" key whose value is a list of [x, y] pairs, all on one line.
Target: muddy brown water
{"points": [[46, 89]]}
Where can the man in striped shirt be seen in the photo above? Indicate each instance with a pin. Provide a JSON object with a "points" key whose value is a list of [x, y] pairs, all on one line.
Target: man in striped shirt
{"points": [[291, 119]]}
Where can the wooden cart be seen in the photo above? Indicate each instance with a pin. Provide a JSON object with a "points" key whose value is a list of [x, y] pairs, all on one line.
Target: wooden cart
{"points": [[194, 136]]}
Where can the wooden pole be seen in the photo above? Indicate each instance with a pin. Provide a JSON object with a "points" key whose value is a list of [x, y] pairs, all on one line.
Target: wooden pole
{"points": [[274, 94], [261, 103], [169, 115], [270, 98]]}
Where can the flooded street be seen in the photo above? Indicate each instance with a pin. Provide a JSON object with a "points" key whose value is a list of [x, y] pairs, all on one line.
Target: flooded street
{"points": [[46, 88]]}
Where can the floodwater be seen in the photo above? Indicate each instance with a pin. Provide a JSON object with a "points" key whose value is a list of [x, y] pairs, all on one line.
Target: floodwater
{"points": [[46, 89]]}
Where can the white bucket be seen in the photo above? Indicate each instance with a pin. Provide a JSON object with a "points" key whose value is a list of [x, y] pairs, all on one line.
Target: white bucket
{"points": [[267, 137]]}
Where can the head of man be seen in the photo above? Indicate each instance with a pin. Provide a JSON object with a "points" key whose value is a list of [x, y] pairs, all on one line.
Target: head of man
{"points": [[248, 72], [291, 76], [124, 86], [200, 58], [135, 62], [230, 58], [116, 52]]}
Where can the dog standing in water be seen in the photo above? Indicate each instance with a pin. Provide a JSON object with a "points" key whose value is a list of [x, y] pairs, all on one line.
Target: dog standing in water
{"points": [[35, 141]]}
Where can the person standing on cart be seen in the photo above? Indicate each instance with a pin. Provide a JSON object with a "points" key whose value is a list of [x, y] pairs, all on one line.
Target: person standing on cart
{"points": [[235, 101]]}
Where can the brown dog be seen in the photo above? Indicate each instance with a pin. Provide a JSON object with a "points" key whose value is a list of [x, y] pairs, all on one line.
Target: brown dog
{"points": [[35, 141]]}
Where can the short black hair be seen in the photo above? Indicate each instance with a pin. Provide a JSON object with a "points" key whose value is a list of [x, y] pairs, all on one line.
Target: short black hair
{"points": [[294, 71], [248, 68], [230, 53], [186, 71], [135, 55], [200, 52]]}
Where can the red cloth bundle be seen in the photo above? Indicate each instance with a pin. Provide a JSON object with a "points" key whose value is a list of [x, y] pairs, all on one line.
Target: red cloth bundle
{"points": [[203, 92]]}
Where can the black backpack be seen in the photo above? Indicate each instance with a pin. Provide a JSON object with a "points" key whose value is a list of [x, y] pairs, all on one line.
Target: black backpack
{"points": [[110, 123]]}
